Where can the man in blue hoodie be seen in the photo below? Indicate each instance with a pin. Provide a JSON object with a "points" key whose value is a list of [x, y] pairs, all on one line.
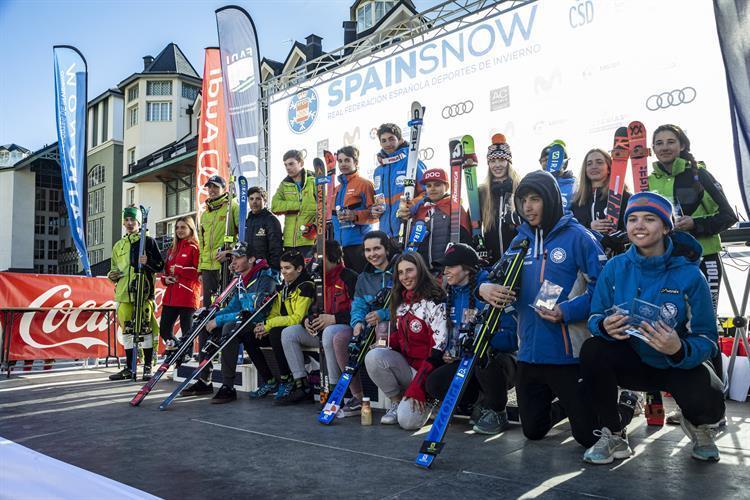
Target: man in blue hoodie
{"points": [[672, 354], [566, 254], [389, 178]]}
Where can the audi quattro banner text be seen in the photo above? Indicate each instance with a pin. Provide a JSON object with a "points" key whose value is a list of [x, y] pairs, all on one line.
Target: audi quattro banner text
{"points": [[534, 71], [67, 330], [70, 112]]}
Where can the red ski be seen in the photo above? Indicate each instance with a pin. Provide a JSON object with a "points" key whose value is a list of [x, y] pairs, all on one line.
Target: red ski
{"points": [[457, 161], [620, 153], [639, 153]]}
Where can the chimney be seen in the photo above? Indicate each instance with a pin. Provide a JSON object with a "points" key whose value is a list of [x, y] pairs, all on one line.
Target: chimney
{"points": [[314, 47], [350, 35], [147, 60]]}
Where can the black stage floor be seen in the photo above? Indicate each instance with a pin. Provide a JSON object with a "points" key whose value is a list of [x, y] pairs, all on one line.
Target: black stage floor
{"points": [[255, 450]]}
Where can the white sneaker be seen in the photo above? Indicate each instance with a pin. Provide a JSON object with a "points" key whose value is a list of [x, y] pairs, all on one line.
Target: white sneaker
{"points": [[391, 416], [609, 447]]}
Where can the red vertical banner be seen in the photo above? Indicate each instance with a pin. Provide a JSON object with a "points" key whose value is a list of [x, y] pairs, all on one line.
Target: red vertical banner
{"points": [[212, 130]]}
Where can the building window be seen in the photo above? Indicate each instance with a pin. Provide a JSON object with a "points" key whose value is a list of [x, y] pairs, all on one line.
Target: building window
{"points": [[131, 156], [159, 111], [38, 249], [52, 269], [159, 87], [95, 126], [190, 91], [369, 13], [52, 249], [96, 256], [180, 195], [132, 116], [133, 93], [96, 201], [53, 225], [39, 269], [130, 198], [54, 200], [95, 233], [96, 175], [41, 199], [105, 119], [4, 157], [39, 224]]}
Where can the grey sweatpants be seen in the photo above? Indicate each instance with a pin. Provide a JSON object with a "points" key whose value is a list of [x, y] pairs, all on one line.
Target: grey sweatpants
{"points": [[336, 346], [293, 339]]}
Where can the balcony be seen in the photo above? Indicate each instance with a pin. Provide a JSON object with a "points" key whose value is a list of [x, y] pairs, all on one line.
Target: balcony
{"points": [[175, 160]]}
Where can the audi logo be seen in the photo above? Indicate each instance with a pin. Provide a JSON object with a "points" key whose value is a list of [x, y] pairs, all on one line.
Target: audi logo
{"points": [[426, 154], [672, 98], [458, 109]]}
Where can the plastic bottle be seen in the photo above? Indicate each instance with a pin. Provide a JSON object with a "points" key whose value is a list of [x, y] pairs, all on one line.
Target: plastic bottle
{"points": [[366, 412]]}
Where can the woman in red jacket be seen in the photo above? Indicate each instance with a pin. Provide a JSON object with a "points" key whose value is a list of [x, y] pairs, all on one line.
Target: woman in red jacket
{"points": [[181, 279], [416, 344]]}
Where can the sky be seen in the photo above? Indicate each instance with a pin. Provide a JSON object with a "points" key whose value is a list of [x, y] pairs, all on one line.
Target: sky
{"points": [[115, 35]]}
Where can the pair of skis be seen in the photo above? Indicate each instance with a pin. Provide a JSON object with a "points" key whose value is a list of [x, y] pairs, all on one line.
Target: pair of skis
{"points": [[410, 180], [186, 342], [216, 344], [358, 349], [505, 272], [469, 166], [140, 320], [630, 143]]}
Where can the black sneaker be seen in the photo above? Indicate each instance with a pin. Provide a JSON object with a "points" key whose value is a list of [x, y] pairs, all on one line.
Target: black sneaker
{"points": [[226, 394], [146, 374], [199, 388], [297, 395], [124, 374]]}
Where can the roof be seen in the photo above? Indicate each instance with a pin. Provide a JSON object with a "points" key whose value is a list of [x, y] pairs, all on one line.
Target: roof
{"points": [[275, 66], [15, 147], [113, 91], [353, 8], [170, 61], [403, 4], [48, 152]]}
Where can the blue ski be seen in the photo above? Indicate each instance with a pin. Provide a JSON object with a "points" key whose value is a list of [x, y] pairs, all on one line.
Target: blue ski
{"points": [[242, 182], [506, 272]]}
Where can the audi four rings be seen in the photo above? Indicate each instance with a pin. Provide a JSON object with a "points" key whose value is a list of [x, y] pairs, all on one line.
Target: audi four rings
{"points": [[672, 98], [426, 154], [460, 108]]}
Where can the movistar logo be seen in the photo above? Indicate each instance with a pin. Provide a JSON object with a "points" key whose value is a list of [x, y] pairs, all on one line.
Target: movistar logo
{"points": [[478, 41]]}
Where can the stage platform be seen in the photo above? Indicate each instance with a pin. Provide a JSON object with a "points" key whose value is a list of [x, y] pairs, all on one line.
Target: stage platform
{"points": [[251, 449]]}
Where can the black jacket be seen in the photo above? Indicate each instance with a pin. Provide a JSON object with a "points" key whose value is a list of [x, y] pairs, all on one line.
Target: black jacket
{"points": [[498, 237], [598, 207], [263, 235]]}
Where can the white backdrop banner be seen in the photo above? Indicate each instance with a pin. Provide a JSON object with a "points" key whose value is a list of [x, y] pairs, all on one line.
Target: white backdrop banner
{"points": [[571, 70]]}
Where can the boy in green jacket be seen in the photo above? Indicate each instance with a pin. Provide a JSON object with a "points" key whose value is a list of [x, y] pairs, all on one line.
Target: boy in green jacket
{"points": [[295, 200], [124, 264]]}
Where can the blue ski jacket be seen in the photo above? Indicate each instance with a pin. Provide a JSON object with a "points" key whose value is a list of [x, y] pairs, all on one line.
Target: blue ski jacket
{"points": [[369, 283], [389, 181], [260, 283], [673, 281], [565, 253], [459, 300], [355, 193]]}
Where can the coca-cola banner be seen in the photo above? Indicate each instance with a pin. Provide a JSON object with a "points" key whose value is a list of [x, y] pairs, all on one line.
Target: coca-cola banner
{"points": [[64, 327]]}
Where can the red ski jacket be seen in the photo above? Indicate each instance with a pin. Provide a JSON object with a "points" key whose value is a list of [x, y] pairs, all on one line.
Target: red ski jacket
{"points": [[182, 263], [340, 285]]}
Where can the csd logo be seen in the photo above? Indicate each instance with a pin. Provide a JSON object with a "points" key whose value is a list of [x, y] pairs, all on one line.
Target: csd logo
{"points": [[672, 98], [581, 14], [426, 154], [458, 109]]}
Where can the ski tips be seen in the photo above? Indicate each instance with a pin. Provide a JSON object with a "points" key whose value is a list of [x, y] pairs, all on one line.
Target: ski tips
{"points": [[318, 163], [499, 139]]}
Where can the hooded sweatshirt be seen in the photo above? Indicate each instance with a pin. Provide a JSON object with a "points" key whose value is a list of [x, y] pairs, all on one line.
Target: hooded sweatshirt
{"points": [[673, 281], [258, 283], [565, 253]]}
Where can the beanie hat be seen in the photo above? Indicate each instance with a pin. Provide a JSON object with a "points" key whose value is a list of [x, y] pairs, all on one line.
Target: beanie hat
{"points": [[240, 249], [131, 212], [460, 253], [434, 174], [653, 203], [499, 149]]}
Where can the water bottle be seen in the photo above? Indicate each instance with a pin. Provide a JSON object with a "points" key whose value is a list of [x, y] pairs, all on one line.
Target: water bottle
{"points": [[366, 412]]}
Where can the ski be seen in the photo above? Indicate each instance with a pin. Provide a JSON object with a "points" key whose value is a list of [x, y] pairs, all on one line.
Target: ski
{"points": [[242, 181], [358, 348], [555, 158], [140, 322], [639, 154], [457, 160], [472, 193], [318, 265], [620, 153], [212, 348], [506, 271], [418, 234], [410, 181], [330, 161], [202, 318], [228, 237]]}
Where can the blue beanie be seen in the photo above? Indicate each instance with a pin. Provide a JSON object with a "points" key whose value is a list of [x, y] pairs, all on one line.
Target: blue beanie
{"points": [[651, 202]]}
